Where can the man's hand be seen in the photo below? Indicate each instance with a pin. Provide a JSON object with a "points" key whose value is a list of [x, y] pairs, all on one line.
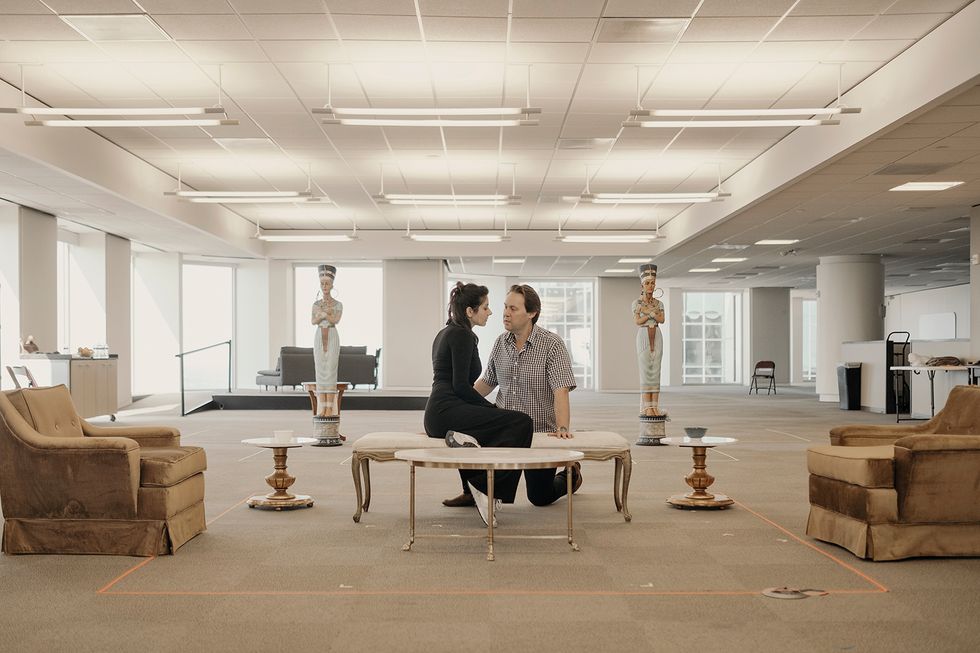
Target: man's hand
{"points": [[562, 434]]}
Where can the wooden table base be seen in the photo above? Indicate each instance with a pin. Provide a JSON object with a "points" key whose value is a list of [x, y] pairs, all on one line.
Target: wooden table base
{"points": [[700, 480], [280, 482]]}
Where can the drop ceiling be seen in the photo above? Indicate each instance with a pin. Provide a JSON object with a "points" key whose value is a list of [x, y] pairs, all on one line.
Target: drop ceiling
{"points": [[585, 57]]}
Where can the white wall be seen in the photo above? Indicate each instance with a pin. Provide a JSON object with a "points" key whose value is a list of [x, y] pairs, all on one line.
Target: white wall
{"points": [[156, 323], [903, 311], [414, 298], [615, 348], [87, 291], [39, 277], [497, 288], [118, 314], [253, 319], [769, 330]]}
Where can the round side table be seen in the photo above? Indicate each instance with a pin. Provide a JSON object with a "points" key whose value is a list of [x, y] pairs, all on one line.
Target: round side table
{"points": [[280, 480], [699, 479]]}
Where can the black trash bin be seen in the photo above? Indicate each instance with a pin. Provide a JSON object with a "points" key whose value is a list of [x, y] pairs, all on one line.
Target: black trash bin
{"points": [[849, 385]]}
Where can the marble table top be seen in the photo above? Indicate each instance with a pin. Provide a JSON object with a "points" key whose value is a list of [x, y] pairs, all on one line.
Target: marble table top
{"points": [[489, 457], [706, 441]]}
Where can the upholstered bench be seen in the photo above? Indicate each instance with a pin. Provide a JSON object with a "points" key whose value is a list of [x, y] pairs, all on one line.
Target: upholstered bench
{"points": [[596, 445]]}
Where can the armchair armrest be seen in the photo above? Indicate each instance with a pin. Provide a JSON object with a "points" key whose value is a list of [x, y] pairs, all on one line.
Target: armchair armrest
{"points": [[70, 478], [937, 478], [146, 436], [870, 435]]}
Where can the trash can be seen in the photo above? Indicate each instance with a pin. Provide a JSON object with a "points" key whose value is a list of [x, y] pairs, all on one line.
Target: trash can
{"points": [[849, 385]]}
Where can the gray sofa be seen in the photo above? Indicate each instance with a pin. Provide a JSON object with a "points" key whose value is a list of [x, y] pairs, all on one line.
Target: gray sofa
{"points": [[295, 366]]}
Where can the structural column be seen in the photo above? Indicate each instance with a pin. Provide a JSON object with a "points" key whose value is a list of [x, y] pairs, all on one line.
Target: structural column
{"points": [[850, 303], [414, 296], [769, 330], [975, 283]]}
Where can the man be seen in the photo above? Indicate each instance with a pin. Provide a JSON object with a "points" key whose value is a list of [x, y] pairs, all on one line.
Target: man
{"points": [[532, 367]]}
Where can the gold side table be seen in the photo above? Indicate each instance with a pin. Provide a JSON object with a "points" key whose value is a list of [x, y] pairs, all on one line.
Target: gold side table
{"points": [[280, 480], [699, 479]]}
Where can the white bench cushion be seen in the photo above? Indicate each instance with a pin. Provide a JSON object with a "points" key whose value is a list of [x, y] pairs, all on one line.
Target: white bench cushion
{"points": [[583, 441]]}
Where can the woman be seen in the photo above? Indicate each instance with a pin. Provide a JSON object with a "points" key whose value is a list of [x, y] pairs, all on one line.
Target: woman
{"points": [[327, 312], [455, 408], [648, 315]]}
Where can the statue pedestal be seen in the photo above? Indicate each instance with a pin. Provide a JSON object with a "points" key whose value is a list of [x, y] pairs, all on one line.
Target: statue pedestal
{"points": [[326, 430], [652, 429]]}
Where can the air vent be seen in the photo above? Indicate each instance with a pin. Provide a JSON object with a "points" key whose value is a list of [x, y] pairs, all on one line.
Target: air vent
{"points": [[584, 143], [913, 169], [641, 30], [729, 247]]}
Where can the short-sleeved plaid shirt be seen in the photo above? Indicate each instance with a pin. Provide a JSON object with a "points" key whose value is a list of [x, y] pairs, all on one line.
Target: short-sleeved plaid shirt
{"points": [[528, 378]]}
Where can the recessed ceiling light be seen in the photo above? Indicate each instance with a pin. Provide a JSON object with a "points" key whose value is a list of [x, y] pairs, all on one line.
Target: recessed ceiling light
{"points": [[927, 185], [635, 260], [117, 27], [619, 270], [508, 260], [777, 242], [728, 260], [704, 269]]}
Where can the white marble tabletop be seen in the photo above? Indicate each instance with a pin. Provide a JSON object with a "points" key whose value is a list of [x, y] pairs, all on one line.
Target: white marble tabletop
{"points": [[272, 443], [706, 441], [489, 457]]}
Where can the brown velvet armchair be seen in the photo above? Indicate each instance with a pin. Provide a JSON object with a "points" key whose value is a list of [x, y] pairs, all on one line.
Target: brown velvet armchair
{"points": [[892, 492], [67, 486]]}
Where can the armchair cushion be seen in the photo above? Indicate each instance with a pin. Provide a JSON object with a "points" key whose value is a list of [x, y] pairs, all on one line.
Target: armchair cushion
{"points": [[49, 411], [871, 467], [163, 467]]}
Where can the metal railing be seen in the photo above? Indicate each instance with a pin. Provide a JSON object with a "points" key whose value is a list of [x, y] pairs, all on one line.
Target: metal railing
{"points": [[181, 355]]}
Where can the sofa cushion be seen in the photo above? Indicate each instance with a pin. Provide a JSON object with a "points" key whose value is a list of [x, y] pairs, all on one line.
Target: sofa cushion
{"points": [[166, 466], [353, 349], [870, 505], [49, 410], [582, 440], [165, 502], [864, 466]]}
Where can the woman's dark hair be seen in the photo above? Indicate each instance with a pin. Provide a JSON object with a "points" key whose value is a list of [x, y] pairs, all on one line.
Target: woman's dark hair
{"points": [[532, 303], [461, 297]]}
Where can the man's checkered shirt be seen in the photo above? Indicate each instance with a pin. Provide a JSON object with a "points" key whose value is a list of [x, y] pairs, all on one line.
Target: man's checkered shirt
{"points": [[528, 378]]}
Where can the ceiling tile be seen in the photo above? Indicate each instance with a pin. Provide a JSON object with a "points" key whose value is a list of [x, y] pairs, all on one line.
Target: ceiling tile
{"points": [[908, 26], [650, 8], [381, 28], [464, 29], [224, 51], [557, 9], [819, 28], [480, 8], [36, 28], [186, 6], [203, 27], [290, 27], [553, 30], [68, 7]]}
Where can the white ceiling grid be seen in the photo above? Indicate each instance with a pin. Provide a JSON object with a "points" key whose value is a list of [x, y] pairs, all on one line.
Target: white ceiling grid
{"points": [[583, 56]]}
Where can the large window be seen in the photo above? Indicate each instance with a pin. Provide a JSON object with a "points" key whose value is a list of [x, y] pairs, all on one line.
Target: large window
{"points": [[358, 288], [809, 339], [711, 337], [208, 315], [567, 308]]}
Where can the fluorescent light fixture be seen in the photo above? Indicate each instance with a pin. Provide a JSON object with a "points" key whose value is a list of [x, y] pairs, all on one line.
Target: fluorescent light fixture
{"points": [[728, 260], [649, 198], [300, 236], [428, 112], [635, 260], [252, 200], [704, 269], [684, 124], [610, 238], [113, 111], [508, 260], [240, 193], [453, 238], [619, 270], [776, 241], [715, 113], [202, 122], [429, 122], [927, 185], [446, 200]]}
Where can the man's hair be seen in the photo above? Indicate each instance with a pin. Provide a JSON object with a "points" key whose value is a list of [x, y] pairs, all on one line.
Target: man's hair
{"points": [[532, 303]]}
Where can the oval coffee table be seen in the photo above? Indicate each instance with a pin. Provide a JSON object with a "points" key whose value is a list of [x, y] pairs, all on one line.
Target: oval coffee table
{"points": [[280, 480], [699, 479], [490, 459]]}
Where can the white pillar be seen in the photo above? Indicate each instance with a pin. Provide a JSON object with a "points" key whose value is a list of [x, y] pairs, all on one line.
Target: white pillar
{"points": [[87, 291], [119, 312], [414, 297], [850, 296], [975, 283], [156, 323], [615, 352], [769, 330], [253, 321]]}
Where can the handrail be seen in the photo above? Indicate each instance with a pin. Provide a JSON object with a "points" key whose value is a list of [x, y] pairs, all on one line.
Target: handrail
{"points": [[183, 410]]}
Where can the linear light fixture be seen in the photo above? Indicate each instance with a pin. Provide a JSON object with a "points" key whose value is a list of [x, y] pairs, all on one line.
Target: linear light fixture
{"points": [[123, 114], [618, 270], [740, 113], [452, 238], [704, 269], [446, 200], [286, 236], [635, 260], [777, 241], [609, 238], [246, 196], [728, 260], [650, 198], [927, 185], [252, 200], [685, 124], [508, 260], [429, 116]]}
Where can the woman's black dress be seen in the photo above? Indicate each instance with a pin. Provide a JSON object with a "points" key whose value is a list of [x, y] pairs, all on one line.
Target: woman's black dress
{"points": [[454, 405]]}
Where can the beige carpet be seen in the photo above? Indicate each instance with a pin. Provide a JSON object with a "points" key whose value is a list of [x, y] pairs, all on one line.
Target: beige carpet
{"points": [[670, 580]]}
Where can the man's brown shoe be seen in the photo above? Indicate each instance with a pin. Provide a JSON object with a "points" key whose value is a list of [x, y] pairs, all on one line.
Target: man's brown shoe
{"points": [[461, 501], [576, 476]]}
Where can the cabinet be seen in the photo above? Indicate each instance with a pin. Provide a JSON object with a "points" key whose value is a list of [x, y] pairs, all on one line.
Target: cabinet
{"points": [[92, 382]]}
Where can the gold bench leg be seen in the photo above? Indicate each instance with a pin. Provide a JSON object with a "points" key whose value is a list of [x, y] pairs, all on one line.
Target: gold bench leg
{"points": [[627, 472], [366, 472], [355, 470], [617, 484]]}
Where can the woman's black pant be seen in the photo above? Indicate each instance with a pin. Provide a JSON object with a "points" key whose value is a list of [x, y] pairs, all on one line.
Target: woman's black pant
{"points": [[492, 427]]}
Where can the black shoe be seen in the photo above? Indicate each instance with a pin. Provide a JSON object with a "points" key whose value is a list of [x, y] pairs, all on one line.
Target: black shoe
{"points": [[463, 500], [457, 439], [576, 477]]}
